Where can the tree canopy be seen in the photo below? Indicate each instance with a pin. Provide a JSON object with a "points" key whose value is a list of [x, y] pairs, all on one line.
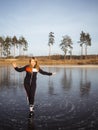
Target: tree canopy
{"points": [[66, 44], [9, 45]]}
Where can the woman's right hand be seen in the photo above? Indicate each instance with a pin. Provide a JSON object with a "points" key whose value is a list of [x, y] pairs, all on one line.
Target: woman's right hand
{"points": [[14, 64]]}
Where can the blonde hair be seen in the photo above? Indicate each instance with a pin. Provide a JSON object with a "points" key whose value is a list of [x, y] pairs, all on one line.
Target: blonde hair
{"points": [[36, 61]]}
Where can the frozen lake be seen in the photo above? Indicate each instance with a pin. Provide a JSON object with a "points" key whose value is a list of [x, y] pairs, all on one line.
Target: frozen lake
{"points": [[65, 101]]}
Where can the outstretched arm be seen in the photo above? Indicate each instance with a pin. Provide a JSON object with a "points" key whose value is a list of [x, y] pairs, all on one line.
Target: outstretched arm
{"points": [[19, 69], [45, 73]]}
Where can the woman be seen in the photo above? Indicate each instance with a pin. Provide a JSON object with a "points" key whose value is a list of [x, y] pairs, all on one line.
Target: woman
{"points": [[30, 79]]}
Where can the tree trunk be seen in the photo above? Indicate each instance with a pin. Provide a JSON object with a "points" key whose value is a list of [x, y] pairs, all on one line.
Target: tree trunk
{"points": [[85, 51], [82, 51], [0, 50], [14, 51], [49, 51]]}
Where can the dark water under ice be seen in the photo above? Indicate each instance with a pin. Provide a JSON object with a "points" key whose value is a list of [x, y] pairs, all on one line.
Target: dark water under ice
{"points": [[65, 101]]}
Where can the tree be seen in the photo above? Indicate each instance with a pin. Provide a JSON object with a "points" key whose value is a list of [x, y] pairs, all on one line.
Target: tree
{"points": [[87, 42], [14, 43], [51, 42], [66, 45], [1, 46], [25, 45], [6, 46], [8, 43], [84, 40], [22, 44]]}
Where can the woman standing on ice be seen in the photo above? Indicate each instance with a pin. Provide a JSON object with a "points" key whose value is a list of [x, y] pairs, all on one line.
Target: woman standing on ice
{"points": [[30, 79]]}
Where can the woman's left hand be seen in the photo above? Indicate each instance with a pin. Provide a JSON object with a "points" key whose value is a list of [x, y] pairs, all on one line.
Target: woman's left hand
{"points": [[53, 73]]}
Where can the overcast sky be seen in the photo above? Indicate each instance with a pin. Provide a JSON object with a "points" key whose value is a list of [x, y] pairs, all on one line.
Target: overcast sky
{"points": [[34, 19]]}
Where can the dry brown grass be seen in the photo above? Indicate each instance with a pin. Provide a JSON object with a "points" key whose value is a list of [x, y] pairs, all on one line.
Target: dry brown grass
{"points": [[46, 61]]}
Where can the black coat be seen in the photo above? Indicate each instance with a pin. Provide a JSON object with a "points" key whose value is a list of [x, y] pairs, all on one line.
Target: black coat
{"points": [[30, 77]]}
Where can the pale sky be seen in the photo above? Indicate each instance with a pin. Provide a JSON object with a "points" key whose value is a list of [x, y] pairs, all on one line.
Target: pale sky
{"points": [[34, 19]]}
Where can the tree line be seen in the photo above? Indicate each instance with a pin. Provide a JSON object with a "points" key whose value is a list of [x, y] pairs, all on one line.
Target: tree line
{"points": [[66, 44], [9, 46]]}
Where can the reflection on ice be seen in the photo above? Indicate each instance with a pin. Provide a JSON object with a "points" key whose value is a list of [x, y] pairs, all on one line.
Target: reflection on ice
{"points": [[66, 101]]}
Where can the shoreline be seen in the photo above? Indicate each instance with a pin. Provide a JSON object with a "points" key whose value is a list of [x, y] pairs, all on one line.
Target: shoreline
{"points": [[54, 62], [59, 66], [72, 66]]}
